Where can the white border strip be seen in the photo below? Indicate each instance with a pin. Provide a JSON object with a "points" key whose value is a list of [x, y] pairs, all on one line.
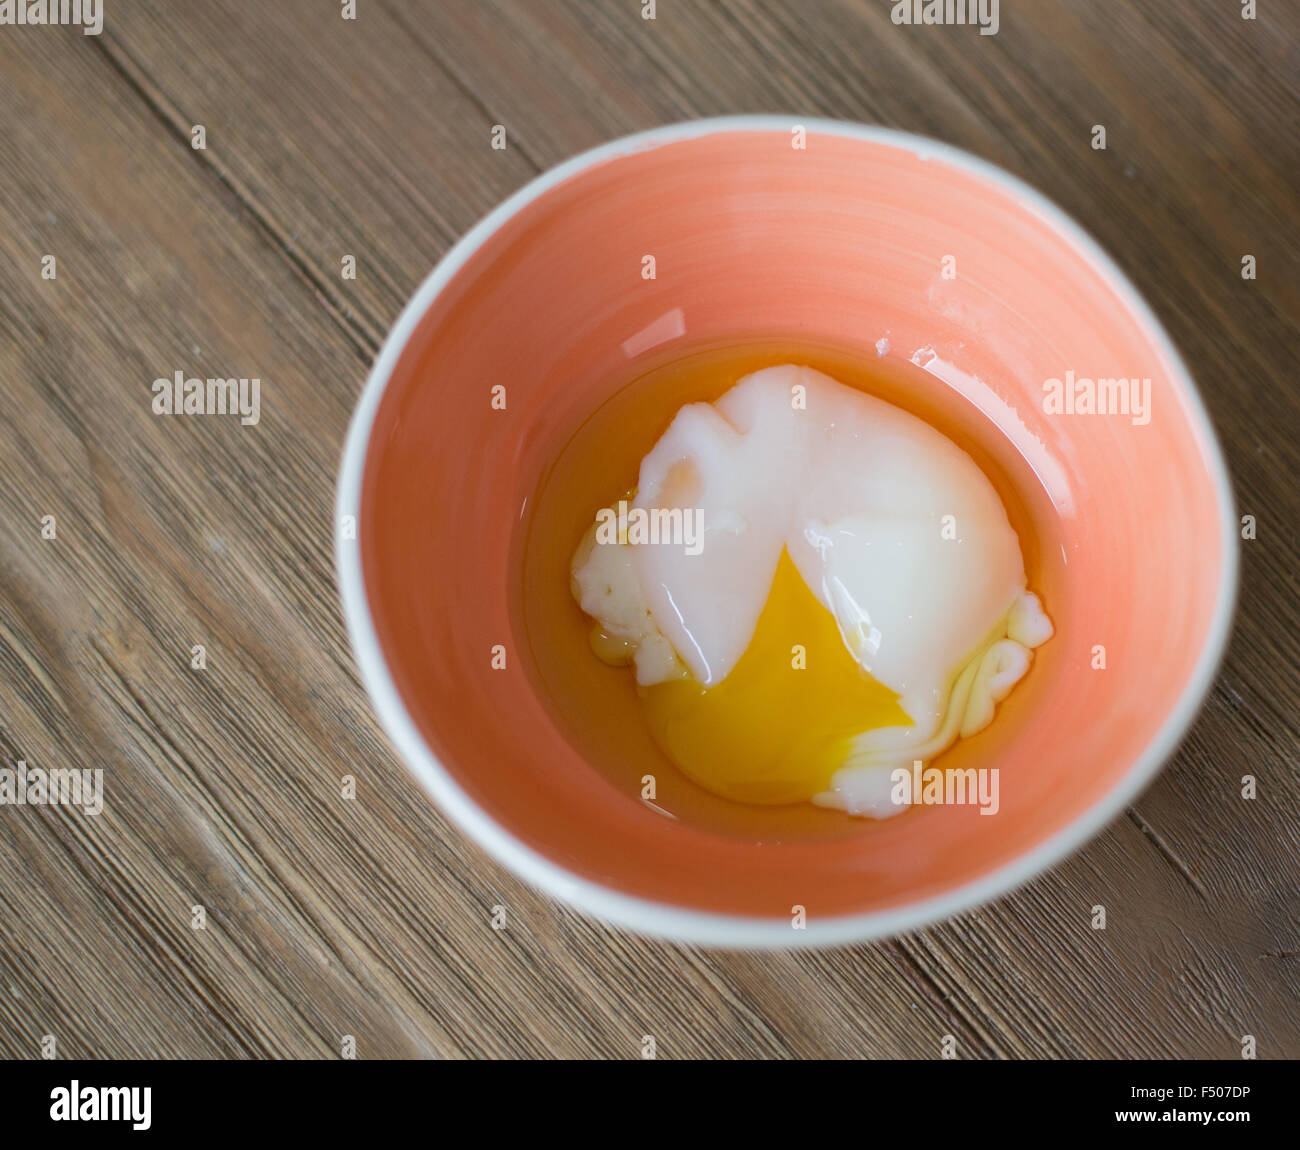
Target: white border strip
{"points": [[662, 919]]}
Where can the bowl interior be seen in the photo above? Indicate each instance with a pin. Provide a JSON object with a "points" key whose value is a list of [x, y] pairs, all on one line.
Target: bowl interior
{"points": [[843, 243]]}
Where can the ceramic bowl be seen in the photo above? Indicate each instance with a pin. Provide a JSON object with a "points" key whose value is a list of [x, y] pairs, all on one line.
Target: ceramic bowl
{"points": [[859, 238]]}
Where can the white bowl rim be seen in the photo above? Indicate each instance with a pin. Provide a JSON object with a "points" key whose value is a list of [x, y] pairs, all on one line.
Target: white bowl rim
{"points": [[681, 924]]}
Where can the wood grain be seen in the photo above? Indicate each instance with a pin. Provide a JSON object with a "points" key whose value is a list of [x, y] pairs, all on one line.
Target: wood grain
{"points": [[371, 917]]}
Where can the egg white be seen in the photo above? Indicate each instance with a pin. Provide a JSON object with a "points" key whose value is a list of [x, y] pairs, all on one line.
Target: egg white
{"points": [[892, 526]]}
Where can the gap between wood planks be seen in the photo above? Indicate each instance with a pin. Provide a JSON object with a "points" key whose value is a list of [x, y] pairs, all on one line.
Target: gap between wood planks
{"points": [[1168, 852], [465, 90], [362, 330]]}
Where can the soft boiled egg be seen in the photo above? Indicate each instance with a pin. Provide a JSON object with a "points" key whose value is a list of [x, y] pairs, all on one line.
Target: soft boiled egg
{"points": [[816, 589]]}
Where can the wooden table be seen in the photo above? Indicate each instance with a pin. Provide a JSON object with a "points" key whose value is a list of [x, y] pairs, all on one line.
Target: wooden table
{"points": [[327, 138]]}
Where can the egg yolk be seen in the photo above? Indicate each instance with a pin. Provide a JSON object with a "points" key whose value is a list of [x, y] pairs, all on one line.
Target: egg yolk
{"points": [[781, 723]]}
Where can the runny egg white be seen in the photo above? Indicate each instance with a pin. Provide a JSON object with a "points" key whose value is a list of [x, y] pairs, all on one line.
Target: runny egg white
{"points": [[854, 598]]}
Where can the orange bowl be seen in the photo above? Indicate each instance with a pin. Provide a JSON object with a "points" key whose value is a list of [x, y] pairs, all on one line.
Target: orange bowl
{"points": [[838, 235]]}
